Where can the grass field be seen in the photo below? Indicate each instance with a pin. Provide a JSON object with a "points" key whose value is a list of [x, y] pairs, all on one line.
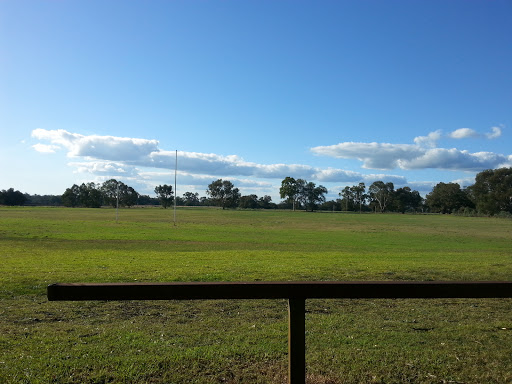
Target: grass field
{"points": [[348, 341]]}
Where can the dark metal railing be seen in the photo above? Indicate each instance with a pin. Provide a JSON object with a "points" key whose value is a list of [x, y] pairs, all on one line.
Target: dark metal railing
{"points": [[295, 292]]}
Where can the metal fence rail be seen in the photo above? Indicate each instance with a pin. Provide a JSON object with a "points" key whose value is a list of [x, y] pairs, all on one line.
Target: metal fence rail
{"points": [[295, 292]]}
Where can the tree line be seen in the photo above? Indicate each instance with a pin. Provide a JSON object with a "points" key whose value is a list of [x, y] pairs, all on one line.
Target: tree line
{"points": [[490, 195], [380, 197], [94, 195]]}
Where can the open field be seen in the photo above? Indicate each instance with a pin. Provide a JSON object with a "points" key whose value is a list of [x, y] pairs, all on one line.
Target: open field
{"points": [[348, 341]]}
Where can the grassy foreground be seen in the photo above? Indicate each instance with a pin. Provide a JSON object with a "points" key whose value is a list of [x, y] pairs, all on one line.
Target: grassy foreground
{"points": [[348, 341]]}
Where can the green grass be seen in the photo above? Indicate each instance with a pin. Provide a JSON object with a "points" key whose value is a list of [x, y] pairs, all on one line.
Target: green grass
{"points": [[348, 341]]}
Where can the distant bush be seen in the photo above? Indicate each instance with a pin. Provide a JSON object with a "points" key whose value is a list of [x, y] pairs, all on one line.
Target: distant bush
{"points": [[467, 212], [12, 197], [504, 215]]}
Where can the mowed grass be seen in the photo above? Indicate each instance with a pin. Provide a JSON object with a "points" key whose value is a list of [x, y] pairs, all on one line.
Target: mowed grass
{"points": [[348, 341]]}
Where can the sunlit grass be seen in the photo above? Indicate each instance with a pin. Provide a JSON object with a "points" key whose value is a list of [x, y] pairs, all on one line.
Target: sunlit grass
{"points": [[245, 341]]}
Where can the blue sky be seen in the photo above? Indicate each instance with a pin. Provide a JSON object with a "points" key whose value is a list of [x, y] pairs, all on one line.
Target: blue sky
{"points": [[336, 92]]}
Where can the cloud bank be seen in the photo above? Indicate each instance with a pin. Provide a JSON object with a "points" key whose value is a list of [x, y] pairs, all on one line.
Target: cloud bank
{"points": [[144, 163], [109, 156], [96, 147], [424, 154]]}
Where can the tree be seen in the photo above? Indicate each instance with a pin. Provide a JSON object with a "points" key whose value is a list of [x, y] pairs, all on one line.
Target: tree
{"points": [[165, 195], [129, 196], [223, 193], [265, 202], [330, 205], [407, 200], [310, 195], [381, 194], [43, 200], [492, 191], [289, 190], [115, 192], [249, 202], [12, 197], [147, 200], [359, 195], [90, 196], [191, 199], [71, 196], [110, 190], [204, 201], [447, 198], [301, 193], [346, 197]]}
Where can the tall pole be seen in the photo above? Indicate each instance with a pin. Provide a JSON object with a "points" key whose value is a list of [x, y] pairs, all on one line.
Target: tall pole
{"points": [[175, 194], [117, 203]]}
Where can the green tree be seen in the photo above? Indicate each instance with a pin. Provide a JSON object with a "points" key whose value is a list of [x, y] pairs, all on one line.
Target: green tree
{"points": [[12, 197], [180, 201], [191, 199], [381, 194], [265, 202], [310, 195], [447, 198], [346, 198], [359, 195], [330, 205], [43, 200], [223, 193], [289, 190], [147, 200], [248, 202], [111, 192], [116, 191], [407, 200], [165, 195], [204, 201], [492, 191], [71, 196], [129, 196], [90, 196]]}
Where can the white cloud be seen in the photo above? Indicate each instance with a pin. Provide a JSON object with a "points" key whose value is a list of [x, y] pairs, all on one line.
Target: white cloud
{"points": [[423, 187], [57, 136], [454, 159], [98, 147], [465, 182], [422, 155], [209, 163], [373, 155], [102, 168], [494, 134], [463, 133], [430, 140], [508, 162], [337, 175], [139, 160], [109, 156], [398, 180], [114, 148], [45, 148]]}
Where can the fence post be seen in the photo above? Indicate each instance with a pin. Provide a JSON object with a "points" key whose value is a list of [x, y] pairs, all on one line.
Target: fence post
{"points": [[296, 341]]}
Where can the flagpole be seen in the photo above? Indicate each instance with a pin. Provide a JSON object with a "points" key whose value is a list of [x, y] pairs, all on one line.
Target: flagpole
{"points": [[175, 194]]}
